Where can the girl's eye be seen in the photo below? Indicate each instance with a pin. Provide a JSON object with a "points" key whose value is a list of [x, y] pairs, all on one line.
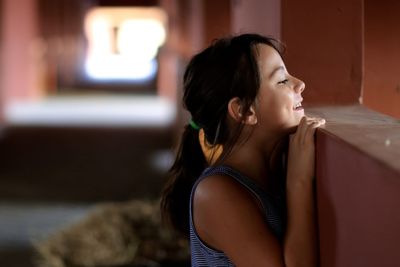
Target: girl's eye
{"points": [[283, 82]]}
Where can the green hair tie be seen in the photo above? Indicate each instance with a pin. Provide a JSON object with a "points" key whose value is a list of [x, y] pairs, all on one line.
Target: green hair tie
{"points": [[194, 125]]}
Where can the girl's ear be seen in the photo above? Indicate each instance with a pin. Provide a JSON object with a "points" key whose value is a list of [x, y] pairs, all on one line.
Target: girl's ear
{"points": [[235, 111]]}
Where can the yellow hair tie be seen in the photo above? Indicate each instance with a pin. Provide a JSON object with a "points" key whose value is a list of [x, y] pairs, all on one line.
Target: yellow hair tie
{"points": [[210, 152]]}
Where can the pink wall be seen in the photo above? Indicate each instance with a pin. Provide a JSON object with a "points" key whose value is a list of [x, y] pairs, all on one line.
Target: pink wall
{"points": [[358, 185], [324, 48], [261, 16], [382, 56], [19, 30]]}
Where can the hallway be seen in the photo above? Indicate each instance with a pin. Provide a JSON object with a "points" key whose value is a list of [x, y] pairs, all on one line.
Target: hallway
{"points": [[98, 149]]}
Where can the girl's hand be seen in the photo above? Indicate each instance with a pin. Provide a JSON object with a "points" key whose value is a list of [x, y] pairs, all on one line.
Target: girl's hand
{"points": [[301, 158]]}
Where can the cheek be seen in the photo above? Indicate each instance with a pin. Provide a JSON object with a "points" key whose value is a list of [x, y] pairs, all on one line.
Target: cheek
{"points": [[274, 112], [278, 112]]}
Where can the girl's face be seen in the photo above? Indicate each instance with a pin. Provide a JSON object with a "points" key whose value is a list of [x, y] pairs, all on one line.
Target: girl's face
{"points": [[279, 99]]}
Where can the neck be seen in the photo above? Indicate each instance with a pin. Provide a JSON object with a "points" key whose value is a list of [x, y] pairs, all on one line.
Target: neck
{"points": [[257, 161]]}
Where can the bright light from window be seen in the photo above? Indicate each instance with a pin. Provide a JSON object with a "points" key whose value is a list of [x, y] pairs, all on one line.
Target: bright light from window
{"points": [[120, 68], [123, 43], [151, 35]]}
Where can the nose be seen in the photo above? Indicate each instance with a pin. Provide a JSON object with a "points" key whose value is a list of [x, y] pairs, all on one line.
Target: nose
{"points": [[299, 85]]}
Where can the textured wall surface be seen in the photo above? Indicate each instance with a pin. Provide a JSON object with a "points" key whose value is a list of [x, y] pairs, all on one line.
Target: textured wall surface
{"points": [[358, 185]]}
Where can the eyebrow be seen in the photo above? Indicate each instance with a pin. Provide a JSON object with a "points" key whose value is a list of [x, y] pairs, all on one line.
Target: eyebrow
{"points": [[276, 70]]}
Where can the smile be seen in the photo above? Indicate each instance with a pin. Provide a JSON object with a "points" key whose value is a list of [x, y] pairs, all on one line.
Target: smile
{"points": [[298, 106]]}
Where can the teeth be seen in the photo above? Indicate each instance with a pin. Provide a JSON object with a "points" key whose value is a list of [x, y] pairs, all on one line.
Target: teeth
{"points": [[298, 105]]}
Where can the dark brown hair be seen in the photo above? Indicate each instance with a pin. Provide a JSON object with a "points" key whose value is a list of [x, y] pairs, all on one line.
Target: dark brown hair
{"points": [[226, 69]]}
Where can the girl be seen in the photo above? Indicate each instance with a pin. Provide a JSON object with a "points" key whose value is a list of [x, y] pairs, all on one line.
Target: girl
{"points": [[230, 189]]}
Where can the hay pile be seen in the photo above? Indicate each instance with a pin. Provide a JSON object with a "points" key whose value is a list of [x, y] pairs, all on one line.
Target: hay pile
{"points": [[114, 234]]}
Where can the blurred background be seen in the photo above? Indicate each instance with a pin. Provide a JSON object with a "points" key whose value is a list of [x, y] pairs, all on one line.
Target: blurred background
{"points": [[90, 90], [89, 104]]}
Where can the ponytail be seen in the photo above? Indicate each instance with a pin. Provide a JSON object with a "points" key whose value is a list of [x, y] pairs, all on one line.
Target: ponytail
{"points": [[188, 166]]}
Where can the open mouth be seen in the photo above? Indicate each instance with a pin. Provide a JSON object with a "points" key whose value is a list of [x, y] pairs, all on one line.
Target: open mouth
{"points": [[298, 106]]}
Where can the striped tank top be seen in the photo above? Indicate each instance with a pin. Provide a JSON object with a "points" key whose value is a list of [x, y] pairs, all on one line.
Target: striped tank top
{"points": [[204, 256]]}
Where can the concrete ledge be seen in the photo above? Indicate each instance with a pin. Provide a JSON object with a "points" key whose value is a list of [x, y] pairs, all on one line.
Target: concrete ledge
{"points": [[358, 187], [372, 133]]}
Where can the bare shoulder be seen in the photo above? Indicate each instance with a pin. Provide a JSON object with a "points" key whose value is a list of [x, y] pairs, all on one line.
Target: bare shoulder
{"points": [[220, 197], [220, 187], [227, 217]]}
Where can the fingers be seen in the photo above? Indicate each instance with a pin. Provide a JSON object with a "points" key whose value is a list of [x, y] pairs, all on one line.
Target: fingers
{"points": [[307, 127], [313, 126]]}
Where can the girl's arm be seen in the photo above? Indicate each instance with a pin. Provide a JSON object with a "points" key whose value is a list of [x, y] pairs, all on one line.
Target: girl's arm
{"points": [[300, 244]]}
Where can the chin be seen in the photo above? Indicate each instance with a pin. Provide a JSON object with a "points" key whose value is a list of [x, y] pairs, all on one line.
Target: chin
{"points": [[298, 115], [292, 126]]}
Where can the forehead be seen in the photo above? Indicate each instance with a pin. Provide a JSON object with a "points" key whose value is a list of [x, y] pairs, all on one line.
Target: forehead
{"points": [[268, 59]]}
